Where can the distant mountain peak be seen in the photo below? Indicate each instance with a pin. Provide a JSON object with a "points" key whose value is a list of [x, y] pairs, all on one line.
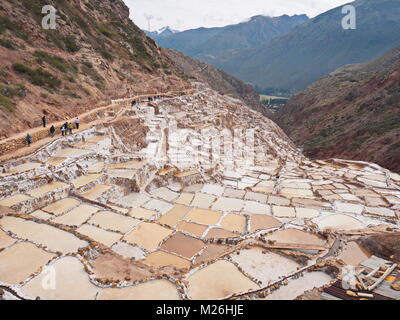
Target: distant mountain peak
{"points": [[166, 31]]}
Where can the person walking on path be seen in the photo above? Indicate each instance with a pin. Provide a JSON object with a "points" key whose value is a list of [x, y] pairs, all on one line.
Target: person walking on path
{"points": [[77, 122], [63, 133], [70, 127], [52, 131], [28, 139], [66, 128], [44, 121]]}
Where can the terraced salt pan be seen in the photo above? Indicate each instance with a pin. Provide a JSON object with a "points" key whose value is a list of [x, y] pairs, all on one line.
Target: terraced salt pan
{"points": [[152, 290], [165, 194], [185, 199], [353, 254], [113, 221], [161, 259], [283, 212], [175, 215], [128, 251], [97, 139], [14, 200], [96, 168], [202, 200], [203, 216], [85, 145], [263, 222], [76, 216], [59, 207], [141, 213], [183, 245], [133, 200], [306, 213], [233, 193], [50, 187], [158, 205], [301, 193], [71, 153], [39, 214], [265, 267], [257, 208], [147, 235], [21, 260], [234, 222], [213, 189], [53, 238], [24, 168], [339, 222], [127, 165], [96, 192], [296, 236], [107, 238], [5, 240], [383, 212], [217, 281], [219, 233], [297, 287], [84, 180], [228, 204], [55, 161], [71, 282], [210, 252], [121, 173], [191, 228]]}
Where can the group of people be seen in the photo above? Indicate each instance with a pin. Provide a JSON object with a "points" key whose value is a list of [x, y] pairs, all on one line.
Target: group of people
{"points": [[65, 129]]}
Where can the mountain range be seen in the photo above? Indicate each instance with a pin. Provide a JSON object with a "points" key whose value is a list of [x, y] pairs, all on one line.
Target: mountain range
{"points": [[290, 53], [205, 41]]}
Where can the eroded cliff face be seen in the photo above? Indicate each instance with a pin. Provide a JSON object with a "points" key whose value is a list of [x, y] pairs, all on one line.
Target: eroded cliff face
{"points": [[95, 54], [353, 113]]}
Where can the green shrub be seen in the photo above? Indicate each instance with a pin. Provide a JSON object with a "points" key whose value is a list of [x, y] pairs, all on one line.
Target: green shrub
{"points": [[105, 54], [6, 43], [38, 77], [55, 61], [7, 104], [21, 68], [70, 44]]}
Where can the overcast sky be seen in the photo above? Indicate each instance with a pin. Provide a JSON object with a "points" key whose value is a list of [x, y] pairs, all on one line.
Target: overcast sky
{"points": [[189, 14]]}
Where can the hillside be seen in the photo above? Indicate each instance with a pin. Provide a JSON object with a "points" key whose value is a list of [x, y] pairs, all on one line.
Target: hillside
{"points": [[315, 48], [202, 42], [353, 113], [218, 80], [95, 54]]}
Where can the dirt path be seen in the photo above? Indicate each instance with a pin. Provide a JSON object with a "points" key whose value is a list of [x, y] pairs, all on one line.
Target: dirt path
{"points": [[25, 150]]}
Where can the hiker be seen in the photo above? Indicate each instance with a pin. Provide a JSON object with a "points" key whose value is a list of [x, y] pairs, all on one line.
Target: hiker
{"points": [[44, 121], [28, 139], [70, 127], [66, 128], [77, 122], [52, 131], [63, 133]]}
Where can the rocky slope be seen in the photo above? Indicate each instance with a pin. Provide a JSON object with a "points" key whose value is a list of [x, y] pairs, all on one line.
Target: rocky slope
{"points": [[218, 80], [353, 113], [95, 54], [315, 48]]}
